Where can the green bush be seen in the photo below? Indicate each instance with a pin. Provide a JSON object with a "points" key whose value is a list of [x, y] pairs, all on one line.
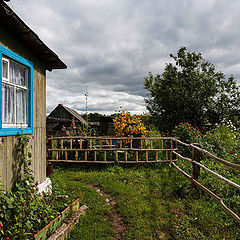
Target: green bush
{"points": [[23, 212], [187, 133], [223, 141]]}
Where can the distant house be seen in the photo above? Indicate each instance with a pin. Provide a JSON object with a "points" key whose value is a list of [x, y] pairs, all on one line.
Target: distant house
{"points": [[63, 116], [24, 61], [106, 126], [95, 127]]}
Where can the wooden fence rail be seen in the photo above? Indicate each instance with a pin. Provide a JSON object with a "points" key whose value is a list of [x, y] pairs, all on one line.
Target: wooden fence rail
{"points": [[81, 149], [196, 165], [229, 211], [111, 149], [233, 165]]}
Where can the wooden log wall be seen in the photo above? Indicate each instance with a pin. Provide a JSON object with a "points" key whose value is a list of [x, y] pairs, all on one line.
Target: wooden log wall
{"points": [[8, 161]]}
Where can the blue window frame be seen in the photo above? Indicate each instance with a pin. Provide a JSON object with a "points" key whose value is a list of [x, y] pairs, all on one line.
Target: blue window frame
{"points": [[21, 91]]}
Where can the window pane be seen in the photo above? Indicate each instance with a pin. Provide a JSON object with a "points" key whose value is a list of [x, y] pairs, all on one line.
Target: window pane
{"points": [[7, 104], [12, 77], [4, 69], [18, 73], [21, 108]]}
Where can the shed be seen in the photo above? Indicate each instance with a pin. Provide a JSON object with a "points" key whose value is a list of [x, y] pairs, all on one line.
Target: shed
{"points": [[107, 126], [25, 59], [62, 116]]}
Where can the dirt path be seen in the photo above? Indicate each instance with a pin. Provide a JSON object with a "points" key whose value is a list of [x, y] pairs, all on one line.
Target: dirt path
{"points": [[117, 218]]}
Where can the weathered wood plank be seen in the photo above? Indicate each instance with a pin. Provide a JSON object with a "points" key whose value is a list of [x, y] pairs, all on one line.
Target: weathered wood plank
{"points": [[8, 161]]}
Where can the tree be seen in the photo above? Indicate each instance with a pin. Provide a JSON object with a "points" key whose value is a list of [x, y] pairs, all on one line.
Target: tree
{"points": [[92, 117], [190, 90]]}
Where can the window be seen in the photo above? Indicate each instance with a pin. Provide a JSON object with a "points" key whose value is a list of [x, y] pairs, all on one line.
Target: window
{"points": [[110, 129], [16, 95]]}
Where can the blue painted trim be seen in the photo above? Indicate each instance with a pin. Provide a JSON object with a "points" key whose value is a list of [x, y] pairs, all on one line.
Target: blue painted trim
{"points": [[1, 91], [18, 131], [15, 131], [15, 57], [30, 97]]}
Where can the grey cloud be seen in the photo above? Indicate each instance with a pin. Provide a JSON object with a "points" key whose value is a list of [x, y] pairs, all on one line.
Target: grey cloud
{"points": [[103, 68], [111, 45]]}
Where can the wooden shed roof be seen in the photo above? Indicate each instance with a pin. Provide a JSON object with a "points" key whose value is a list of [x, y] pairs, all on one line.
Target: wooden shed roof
{"points": [[58, 115], [75, 114], [10, 21]]}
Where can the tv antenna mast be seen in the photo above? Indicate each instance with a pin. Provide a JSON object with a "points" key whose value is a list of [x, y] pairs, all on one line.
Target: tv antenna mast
{"points": [[86, 95]]}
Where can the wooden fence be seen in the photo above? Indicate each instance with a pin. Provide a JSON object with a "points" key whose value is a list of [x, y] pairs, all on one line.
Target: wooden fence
{"points": [[196, 165], [110, 149], [137, 150]]}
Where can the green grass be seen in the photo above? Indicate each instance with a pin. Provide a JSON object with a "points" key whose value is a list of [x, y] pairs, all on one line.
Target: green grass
{"points": [[156, 202]]}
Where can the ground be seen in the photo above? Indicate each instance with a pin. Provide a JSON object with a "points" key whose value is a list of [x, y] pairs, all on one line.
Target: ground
{"points": [[141, 202]]}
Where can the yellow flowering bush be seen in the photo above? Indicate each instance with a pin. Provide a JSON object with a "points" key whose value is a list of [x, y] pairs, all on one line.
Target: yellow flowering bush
{"points": [[128, 125]]}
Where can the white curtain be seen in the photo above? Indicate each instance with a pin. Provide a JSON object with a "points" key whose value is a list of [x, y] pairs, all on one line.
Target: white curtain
{"points": [[21, 108], [5, 69], [14, 98], [18, 74], [8, 104]]}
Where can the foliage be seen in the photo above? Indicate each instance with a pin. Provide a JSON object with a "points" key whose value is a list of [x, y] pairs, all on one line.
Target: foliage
{"points": [[147, 120], [128, 125], [224, 141], [23, 211], [191, 90], [77, 130], [187, 133], [92, 117], [154, 132], [1, 142]]}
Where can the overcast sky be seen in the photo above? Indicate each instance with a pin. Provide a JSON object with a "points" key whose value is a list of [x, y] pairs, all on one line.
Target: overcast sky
{"points": [[111, 45]]}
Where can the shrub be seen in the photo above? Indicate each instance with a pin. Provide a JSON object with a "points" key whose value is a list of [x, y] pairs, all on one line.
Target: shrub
{"points": [[223, 141], [187, 133], [23, 212], [128, 125]]}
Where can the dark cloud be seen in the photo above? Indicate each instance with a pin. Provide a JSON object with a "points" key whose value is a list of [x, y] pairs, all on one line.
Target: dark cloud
{"points": [[111, 45]]}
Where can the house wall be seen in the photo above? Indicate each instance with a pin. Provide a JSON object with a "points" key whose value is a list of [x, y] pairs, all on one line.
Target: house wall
{"points": [[8, 160], [105, 126]]}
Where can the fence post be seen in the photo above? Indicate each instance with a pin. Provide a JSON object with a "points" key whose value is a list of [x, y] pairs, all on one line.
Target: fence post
{"points": [[50, 146], [176, 147], [196, 156], [171, 153], [49, 157], [173, 148]]}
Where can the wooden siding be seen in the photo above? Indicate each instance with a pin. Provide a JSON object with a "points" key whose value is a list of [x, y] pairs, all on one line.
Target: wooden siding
{"points": [[8, 159]]}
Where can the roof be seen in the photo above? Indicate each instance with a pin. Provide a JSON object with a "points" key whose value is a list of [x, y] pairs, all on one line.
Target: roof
{"points": [[58, 115], [94, 123], [75, 114], [10, 20]]}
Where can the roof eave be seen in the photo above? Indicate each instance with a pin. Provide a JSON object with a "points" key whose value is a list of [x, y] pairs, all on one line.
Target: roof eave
{"points": [[10, 20]]}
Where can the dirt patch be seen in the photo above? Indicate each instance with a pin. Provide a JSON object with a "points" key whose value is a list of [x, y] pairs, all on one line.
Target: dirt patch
{"points": [[117, 218]]}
